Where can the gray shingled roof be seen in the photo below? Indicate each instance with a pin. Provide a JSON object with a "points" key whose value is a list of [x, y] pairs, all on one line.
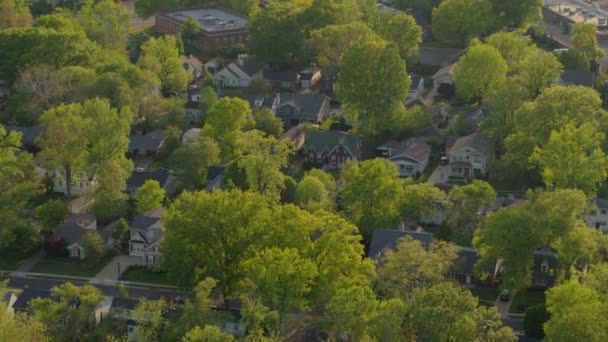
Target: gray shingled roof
{"points": [[74, 228], [29, 134], [149, 223], [415, 147], [387, 239], [138, 178], [251, 66], [150, 141], [478, 141], [578, 77], [438, 56], [306, 103], [281, 76]]}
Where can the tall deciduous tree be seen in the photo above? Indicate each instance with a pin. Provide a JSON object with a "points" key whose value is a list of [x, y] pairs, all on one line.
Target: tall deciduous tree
{"points": [[538, 70], [107, 23], [224, 123], [19, 327], [421, 200], [513, 47], [328, 43], [312, 194], [479, 71], [209, 333], [576, 313], [372, 85], [371, 192], [151, 317], [402, 30], [518, 13], [573, 158], [14, 13], [149, 196], [503, 102], [411, 266], [161, 57], [93, 246], [551, 111], [190, 29], [52, 213], [465, 203], [18, 185], [584, 41], [267, 122], [449, 23], [194, 160]]}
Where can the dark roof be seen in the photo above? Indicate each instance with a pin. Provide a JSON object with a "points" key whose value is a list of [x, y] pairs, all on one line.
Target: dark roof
{"points": [[601, 203], [548, 256], [29, 134], [143, 222], [385, 239], [478, 141], [74, 228], [415, 147], [281, 76], [251, 66], [578, 77], [465, 261], [438, 56], [306, 75], [150, 141], [214, 171], [124, 303], [28, 294], [415, 78], [319, 140], [306, 103], [149, 225], [138, 178]]}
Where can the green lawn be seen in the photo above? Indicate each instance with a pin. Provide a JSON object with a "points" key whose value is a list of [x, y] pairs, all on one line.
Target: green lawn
{"points": [[10, 261], [526, 298], [144, 275], [70, 267], [487, 294]]}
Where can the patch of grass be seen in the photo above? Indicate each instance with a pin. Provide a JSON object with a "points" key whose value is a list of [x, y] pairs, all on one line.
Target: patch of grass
{"points": [[487, 294], [145, 275], [11, 261], [525, 299], [70, 266]]}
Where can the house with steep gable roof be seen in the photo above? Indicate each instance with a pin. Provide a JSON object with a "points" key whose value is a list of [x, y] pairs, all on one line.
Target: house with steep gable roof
{"points": [[411, 155], [73, 231], [295, 109], [332, 149], [146, 237], [471, 155], [240, 73]]}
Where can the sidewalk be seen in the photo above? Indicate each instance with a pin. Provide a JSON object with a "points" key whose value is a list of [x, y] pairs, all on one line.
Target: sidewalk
{"points": [[112, 271], [29, 263]]}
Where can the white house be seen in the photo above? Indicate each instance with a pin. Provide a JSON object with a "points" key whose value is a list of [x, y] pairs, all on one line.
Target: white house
{"points": [[82, 182], [411, 156], [598, 216], [240, 73], [146, 237], [416, 86], [471, 156], [191, 136]]}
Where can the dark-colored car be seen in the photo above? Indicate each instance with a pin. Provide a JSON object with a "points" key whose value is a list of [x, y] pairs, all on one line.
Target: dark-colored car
{"points": [[504, 296]]}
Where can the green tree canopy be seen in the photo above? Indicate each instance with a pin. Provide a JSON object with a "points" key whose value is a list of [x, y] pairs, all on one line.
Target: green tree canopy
{"points": [[161, 57], [209, 333], [479, 71], [584, 41], [267, 122], [193, 161], [372, 85], [106, 22], [328, 43], [402, 30], [52, 213], [224, 123], [149, 196], [371, 192], [14, 13], [93, 245], [517, 13], [449, 23], [420, 201]]}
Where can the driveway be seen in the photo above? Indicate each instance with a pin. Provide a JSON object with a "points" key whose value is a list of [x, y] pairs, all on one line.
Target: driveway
{"points": [[29, 263], [440, 175], [112, 271]]}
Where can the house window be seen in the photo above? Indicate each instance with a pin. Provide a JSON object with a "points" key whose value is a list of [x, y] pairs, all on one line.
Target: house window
{"points": [[333, 159], [477, 160], [544, 268], [457, 169], [603, 211], [593, 212]]}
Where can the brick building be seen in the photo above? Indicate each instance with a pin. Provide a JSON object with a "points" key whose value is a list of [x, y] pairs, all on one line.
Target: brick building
{"points": [[219, 28]]}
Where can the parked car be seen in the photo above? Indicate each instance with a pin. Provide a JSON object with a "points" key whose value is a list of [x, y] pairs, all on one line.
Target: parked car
{"points": [[504, 296]]}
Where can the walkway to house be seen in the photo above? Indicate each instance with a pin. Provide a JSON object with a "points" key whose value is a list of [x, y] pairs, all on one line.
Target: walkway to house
{"points": [[29, 263], [440, 175], [111, 273]]}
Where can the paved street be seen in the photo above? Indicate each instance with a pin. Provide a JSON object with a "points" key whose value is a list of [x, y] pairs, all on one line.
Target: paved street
{"points": [[111, 272], [107, 290]]}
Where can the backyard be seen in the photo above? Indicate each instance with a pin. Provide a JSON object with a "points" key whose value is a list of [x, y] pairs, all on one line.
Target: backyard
{"points": [[486, 294], [525, 299], [70, 267], [144, 275]]}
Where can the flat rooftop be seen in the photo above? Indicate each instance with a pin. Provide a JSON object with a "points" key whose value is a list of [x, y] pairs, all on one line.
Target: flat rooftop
{"points": [[579, 11], [212, 19]]}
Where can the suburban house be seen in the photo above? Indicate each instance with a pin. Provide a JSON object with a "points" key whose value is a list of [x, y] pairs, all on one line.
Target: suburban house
{"points": [[295, 109], [21, 305], [438, 57], [139, 176], [233, 321], [545, 262], [146, 236], [82, 182], [214, 65], [193, 105], [598, 216], [73, 231], [331, 148], [462, 270], [329, 78], [193, 66], [218, 28], [416, 86], [191, 136], [577, 77], [240, 73], [471, 156], [260, 101], [283, 80], [123, 311], [443, 76], [146, 144], [411, 155], [310, 77]]}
